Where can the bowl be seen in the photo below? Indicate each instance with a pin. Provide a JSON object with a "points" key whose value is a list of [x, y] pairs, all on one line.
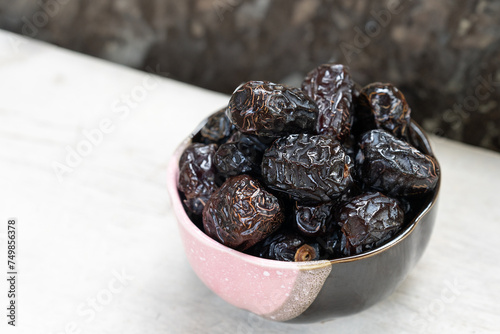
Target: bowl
{"points": [[304, 291]]}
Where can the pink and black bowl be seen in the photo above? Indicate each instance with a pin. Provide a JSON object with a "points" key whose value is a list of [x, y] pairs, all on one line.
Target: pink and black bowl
{"points": [[304, 291]]}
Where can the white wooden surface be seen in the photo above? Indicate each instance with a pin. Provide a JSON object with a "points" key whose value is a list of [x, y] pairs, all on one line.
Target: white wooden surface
{"points": [[99, 249]]}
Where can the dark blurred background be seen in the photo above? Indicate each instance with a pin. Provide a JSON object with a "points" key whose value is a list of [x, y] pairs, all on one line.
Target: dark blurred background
{"points": [[444, 55]]}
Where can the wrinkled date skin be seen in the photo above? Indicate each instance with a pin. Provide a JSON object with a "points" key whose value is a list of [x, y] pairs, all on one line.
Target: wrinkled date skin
{"points": [[310, 168], [331, 87], [330, 243], [313, 221], [369, 220], [286, 246], [241, 154], [394, 167], [388, 107], [197, 175], [241, 213], [217, 128], [267, 109]]}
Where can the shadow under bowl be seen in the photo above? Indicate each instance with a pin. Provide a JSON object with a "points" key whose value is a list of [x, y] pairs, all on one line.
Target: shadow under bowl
{"points": [[304, 291]]}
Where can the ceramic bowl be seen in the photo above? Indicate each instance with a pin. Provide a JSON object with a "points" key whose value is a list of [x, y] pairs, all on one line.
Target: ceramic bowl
{"points": [[303, 291]]}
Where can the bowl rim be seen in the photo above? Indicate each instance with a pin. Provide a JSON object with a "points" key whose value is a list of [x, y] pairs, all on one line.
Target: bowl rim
{"points": [[173, 170]]}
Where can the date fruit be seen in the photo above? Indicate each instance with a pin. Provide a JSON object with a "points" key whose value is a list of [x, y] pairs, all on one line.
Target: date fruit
{"points": [[286, 246], [369, 220], [217, 128], [313, 221], [394, 167], [330, 243], [309, 168], [241, 213], [331, 87], [267, 109], [197, 175], [388, 107], [241, 154]]}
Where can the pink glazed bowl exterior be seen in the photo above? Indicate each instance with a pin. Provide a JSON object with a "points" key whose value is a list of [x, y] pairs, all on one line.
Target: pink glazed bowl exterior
{"points": [[302, 291]]}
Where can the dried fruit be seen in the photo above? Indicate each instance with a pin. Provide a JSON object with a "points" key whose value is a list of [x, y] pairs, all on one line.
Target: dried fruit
{"points": [[394, 167], [217, 128], [286, 246], [331, 87], [388, 108], [313, 221], [310, 168], [241, 213], [330, 243], [197, 175], [267, 109], [241, 154], [369, 220]]}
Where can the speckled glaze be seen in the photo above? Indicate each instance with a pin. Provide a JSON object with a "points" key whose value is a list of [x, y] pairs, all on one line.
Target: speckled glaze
{"points": [[305, 291]]}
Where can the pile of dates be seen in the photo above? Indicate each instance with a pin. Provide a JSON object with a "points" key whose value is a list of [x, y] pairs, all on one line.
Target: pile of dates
{"points": [[324, 171]]}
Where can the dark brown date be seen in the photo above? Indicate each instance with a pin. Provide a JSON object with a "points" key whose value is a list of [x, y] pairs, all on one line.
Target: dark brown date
{"points": [[313, 221], [331, 87], [241, 213], [241, 154], [286, 246], [369, 220], [388, 107], [310, 168], [267, 109], [217, 128], [197, 175], [394, 167], [331, 243]]}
